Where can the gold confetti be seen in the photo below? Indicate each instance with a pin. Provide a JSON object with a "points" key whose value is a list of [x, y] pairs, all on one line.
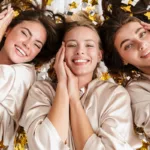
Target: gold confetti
{"points": [[147, 15], [92, 17], [109, 8], [1, 145], [73, 5], [94, 2], [144, 147], [16, 13], [126, 8], [20, 141], [85, 1], [105, 76], [49, 2], [130, 2]]}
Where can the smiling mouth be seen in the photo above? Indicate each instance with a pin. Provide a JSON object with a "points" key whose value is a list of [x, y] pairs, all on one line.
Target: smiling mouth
{"points": [[146, 55], [21, 51], [80, 61]]}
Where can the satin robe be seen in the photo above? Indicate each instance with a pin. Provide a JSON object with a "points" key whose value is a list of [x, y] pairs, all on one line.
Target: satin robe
{"points": [[107, 107], [139, 91], [15, 81]]}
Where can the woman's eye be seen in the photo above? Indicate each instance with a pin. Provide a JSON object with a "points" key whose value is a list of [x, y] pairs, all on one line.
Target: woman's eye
{"points": [[142, 34], [128, 46], [24, 33], [89, 45], [71, 45], [39, 47]]}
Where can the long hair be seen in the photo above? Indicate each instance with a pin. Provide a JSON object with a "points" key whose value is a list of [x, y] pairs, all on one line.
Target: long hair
{"points": [[48, 19]]}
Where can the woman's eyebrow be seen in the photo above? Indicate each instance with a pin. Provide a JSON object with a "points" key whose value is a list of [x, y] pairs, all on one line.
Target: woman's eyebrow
{"points": [[136, 31], [31, 34]]}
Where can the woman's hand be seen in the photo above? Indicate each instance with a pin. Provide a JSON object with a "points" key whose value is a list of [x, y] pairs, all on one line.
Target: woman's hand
{"points": [[59, 64], [72, 85], [6, 17], [145, 25]]}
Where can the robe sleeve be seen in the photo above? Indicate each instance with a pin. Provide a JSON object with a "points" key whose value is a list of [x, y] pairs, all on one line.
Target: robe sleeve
{"points": [[115, 129], [15, 81], [140, 98], [41, 133]]}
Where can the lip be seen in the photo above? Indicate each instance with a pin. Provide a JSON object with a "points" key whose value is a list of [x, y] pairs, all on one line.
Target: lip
{"points": [[20, 51], [80, 61], [145, 54]]}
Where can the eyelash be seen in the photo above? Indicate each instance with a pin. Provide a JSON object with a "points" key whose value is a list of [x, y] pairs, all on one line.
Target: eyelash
{"points": [[71, 45], [128, 46], [142, 34], [88, 45], [37, 46], [24, 33]]}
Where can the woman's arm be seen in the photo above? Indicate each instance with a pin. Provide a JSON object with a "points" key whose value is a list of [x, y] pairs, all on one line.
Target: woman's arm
{"points": [[80, 125], [6, 17], [59, 112], [13, 90]]}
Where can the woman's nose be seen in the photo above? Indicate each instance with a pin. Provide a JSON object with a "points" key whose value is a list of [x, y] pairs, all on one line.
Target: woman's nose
{"points": [[27, 43], [143, 45], [80, 51]]}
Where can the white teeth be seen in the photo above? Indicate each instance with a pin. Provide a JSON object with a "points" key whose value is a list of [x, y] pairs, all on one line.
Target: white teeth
{"points": [[80, 60], [21, 51]]}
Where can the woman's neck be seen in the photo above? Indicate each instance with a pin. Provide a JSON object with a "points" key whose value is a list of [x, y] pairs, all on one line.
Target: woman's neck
{"points": [[84, 81], [4, 59]]}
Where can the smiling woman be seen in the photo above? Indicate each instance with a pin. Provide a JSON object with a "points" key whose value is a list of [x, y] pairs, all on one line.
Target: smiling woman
{"points": [[79, 111], [126, 43], [33, 37]]}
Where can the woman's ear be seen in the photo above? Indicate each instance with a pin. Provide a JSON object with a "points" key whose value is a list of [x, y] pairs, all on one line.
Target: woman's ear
{"points": [[125, 62], [100, 55], [7, 32]]}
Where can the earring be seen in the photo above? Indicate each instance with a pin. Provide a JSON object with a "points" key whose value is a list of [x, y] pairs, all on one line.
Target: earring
{"points": [[125, 63]]}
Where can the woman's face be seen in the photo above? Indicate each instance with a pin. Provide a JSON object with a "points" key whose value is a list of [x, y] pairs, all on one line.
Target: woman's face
{"points": [[82, 50], [133, 44], [24, 41]]}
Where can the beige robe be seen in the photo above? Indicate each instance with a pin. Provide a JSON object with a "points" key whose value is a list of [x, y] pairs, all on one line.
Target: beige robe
{"points": [[139, 91], [107, 106], [15, 81]]}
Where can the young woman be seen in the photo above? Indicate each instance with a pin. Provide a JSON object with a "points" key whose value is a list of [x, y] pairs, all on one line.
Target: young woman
{"points": [[80, 111], [30, 37], [126, 43]]}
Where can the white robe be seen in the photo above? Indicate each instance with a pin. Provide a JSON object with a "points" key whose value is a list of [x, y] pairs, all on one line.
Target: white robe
{"points": [[107, 107], [15, 81]]}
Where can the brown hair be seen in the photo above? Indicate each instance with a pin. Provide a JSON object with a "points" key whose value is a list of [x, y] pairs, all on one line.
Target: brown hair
{"points": [[107, 33], [54, 30], [81, 19]]}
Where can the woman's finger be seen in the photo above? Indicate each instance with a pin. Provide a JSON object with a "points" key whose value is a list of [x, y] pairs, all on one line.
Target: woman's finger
{"points": [[58, 54], [68, 71], [145, 25]]}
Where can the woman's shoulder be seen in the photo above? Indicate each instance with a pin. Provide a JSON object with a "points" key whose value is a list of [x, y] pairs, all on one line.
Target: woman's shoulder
{"points": [[143, 81], [107, 87]]}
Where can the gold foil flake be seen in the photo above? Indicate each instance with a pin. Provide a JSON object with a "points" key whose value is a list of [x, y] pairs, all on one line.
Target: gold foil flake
{"points": [[16, 13], [73, 5], [92, 17], [85, 1], [49, 2], [94, 2], [131, 14], [105, 76], [147, 15], [144, 146], [109, 8], [20, 142], [130, 2], [58, 20], [1, 145], [126, 8]]}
